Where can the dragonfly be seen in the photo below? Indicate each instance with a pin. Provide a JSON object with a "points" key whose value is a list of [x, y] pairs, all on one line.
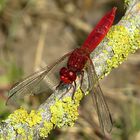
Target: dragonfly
{"points": [[78, 63]]}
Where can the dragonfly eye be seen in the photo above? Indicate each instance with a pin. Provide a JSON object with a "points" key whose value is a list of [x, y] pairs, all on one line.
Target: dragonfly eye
{"points": [[64, 75], [67, 76], [72, 76], [64, 71]]}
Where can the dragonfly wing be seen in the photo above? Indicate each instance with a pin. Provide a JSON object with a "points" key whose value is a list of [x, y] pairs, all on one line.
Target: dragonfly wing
{"points": [[30, 85], [27, 85], [103, 112]]}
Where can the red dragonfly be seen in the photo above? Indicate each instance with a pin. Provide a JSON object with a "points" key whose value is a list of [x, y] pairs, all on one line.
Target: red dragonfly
{"points": [[78, 63]]}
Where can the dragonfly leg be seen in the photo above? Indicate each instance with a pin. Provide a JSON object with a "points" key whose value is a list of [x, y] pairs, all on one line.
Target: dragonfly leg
{"points": [[68, 89], [59, 85], [81, 81], [82, 75], [74, 89], [71, 86]]}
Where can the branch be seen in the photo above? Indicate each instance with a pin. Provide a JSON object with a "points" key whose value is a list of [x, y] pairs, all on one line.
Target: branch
{"points": [[123, 39]]}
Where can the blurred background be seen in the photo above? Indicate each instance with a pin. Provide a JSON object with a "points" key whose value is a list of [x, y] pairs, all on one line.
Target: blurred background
{"points": [[34, 34]]}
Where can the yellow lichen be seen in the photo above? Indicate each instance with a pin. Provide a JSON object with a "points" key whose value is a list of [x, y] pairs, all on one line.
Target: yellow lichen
{"points": [[105, 51], [21, 117], [126, 2], [123, 43], [34, 118], [78, 96], [65, 112], [136, 42], [21, 131], [30, 137], [45, 130]]}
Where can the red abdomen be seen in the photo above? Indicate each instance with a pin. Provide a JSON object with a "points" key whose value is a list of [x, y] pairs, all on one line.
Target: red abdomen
{"points": [[99, 32], [77, 59]]}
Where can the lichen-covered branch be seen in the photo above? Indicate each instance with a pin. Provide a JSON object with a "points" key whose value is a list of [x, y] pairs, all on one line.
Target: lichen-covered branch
{"points": [[123, 39]]}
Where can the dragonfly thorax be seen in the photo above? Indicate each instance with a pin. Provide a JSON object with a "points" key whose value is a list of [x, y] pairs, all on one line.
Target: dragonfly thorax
{"points": [[78, 59], [67, 76], [76, 63]]}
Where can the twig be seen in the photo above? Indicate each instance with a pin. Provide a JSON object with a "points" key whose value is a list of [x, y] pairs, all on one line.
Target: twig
{"points": [[122, 40]]}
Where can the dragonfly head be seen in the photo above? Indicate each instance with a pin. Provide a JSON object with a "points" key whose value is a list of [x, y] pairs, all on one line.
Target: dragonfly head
{"points": [[67, 76]]}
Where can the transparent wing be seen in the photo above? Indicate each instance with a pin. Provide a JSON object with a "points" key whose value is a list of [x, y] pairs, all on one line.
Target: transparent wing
{"points": [[30, 84], [103, 112]]}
